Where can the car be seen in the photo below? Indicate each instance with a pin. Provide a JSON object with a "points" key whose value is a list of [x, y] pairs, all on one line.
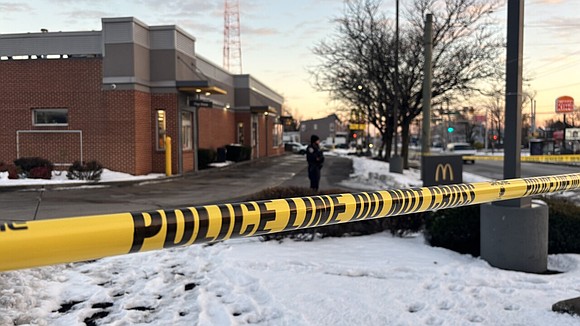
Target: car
{"points": [[463, 149], [296, 148]]}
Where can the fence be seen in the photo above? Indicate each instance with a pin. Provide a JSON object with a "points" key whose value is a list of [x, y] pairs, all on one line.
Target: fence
{"points": [[46, 242]]}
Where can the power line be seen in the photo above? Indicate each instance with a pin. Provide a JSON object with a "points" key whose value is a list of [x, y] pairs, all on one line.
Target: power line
{"points": [[561, 86]]}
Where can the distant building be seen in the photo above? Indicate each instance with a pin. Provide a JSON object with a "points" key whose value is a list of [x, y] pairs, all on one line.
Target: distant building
{"points": [[291, 130], [327, 128], [113, 95]]}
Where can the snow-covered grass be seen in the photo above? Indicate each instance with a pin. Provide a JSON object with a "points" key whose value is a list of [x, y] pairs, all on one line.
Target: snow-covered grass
{"points": [[367, 280]]}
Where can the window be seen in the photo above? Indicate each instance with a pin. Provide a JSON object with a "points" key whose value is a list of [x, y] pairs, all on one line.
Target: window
{"points": [[241, 133], [186, 132], [50, 117], [277, 133], [161, 127]]}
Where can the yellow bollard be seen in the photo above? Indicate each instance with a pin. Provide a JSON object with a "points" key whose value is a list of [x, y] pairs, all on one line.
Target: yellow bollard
{"points": [[168, 156]]}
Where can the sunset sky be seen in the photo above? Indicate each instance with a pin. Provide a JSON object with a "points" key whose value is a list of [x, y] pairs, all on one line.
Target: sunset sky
{"points": [[278, 37]]}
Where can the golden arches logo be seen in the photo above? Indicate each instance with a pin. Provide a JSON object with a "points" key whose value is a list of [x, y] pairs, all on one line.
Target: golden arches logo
{"points": [[442, 170]]}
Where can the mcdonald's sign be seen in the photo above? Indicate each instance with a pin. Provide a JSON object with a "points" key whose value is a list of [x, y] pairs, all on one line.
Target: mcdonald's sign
{"points": [[444, 172], [441, 170]]}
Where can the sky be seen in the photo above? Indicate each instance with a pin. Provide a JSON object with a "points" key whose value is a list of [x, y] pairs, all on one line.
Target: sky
{"points": [[277, 38], [366, 280]]}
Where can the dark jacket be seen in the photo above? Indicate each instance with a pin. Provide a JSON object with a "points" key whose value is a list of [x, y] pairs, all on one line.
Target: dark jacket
{"points": [[314, 155]]}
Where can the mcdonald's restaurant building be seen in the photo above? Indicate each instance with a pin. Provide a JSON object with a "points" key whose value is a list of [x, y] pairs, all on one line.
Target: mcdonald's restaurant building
{"points": [[114, 95]]}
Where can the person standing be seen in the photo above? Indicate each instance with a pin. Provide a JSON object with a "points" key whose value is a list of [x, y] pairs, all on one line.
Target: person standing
{"points": [[315, 159]]}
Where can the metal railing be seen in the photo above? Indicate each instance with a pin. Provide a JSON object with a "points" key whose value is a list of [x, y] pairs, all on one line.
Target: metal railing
{"points": [[47, 242]]}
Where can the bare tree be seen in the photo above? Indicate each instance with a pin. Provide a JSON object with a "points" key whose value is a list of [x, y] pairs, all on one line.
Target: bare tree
{"points": [[356, 67], [357, 63]]}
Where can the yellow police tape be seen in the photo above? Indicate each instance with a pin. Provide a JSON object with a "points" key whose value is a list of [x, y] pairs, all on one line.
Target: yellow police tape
{"points": [[39, 243], [532, 158]]}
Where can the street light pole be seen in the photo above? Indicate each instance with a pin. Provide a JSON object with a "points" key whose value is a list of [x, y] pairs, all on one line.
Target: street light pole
{"points": [[427, 85], [396, 163]]}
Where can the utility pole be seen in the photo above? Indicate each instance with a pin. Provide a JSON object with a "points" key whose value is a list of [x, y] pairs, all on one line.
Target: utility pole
{"points": [[514, 233]]}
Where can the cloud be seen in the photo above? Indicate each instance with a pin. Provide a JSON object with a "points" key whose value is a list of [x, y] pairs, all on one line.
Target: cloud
{"points": [[262, 31], [184, 8], [84, 14], [8, 7]]}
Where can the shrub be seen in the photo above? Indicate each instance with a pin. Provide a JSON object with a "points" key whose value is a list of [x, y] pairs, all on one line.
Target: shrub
{"points": [[457, 229], [337, 230], [404, 225], [85, 171], [40, 172], [10, 168], [27, 164], [205, 157], [564, 226]]}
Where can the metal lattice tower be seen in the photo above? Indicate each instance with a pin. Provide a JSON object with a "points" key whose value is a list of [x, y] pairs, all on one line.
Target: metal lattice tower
{"points": [[232, 41]]}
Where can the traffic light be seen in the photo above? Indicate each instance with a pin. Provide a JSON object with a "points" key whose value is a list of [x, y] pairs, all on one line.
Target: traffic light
{"points": [[354, 135], [450, 129], [494, 137]]}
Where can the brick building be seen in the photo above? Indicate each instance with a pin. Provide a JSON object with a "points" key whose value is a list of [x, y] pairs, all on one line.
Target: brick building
{"points": [[113, 95]]}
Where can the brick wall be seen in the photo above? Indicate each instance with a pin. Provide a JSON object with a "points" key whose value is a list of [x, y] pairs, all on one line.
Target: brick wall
{"points": [[217, 128], [106, 118], [73, 84], [118, 126]]}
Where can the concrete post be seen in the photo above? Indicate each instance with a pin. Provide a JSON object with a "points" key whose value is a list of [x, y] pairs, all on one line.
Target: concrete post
{"points": [[515, 238]]}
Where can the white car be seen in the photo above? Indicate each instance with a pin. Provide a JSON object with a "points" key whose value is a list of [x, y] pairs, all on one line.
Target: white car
{"points": [[297, 148], [462, 149]]}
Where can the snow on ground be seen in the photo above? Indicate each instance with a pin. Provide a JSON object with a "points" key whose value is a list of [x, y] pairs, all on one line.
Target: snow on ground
{"points": [[59, 177], [367, 280]]}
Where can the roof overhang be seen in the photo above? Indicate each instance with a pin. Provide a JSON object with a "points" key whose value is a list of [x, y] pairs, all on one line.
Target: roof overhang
{"points": [[263, 109], [199, 87]]}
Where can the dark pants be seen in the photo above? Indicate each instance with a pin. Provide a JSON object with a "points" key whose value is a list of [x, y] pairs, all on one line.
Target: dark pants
{"points": [[314, 176]]}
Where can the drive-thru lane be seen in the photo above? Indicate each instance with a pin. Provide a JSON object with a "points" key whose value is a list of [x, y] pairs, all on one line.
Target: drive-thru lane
{"points": [[232, 183]]}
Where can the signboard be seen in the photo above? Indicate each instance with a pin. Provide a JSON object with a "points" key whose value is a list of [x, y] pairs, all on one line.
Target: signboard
{"points": [[357, 126], [564, 104], [201, 103], [479, 118], [441, 170], [572, 133]]}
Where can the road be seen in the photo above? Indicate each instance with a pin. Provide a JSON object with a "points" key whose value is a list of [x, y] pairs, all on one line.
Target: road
{"points": [[494, 169], [233, 183]]}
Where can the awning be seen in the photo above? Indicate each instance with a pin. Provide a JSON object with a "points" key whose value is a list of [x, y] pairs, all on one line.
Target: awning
{"points": [[263, 109], [199, 87]]}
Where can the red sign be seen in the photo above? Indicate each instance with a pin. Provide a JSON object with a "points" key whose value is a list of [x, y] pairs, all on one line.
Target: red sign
{"points": [[564, 104], [479, 118]]}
